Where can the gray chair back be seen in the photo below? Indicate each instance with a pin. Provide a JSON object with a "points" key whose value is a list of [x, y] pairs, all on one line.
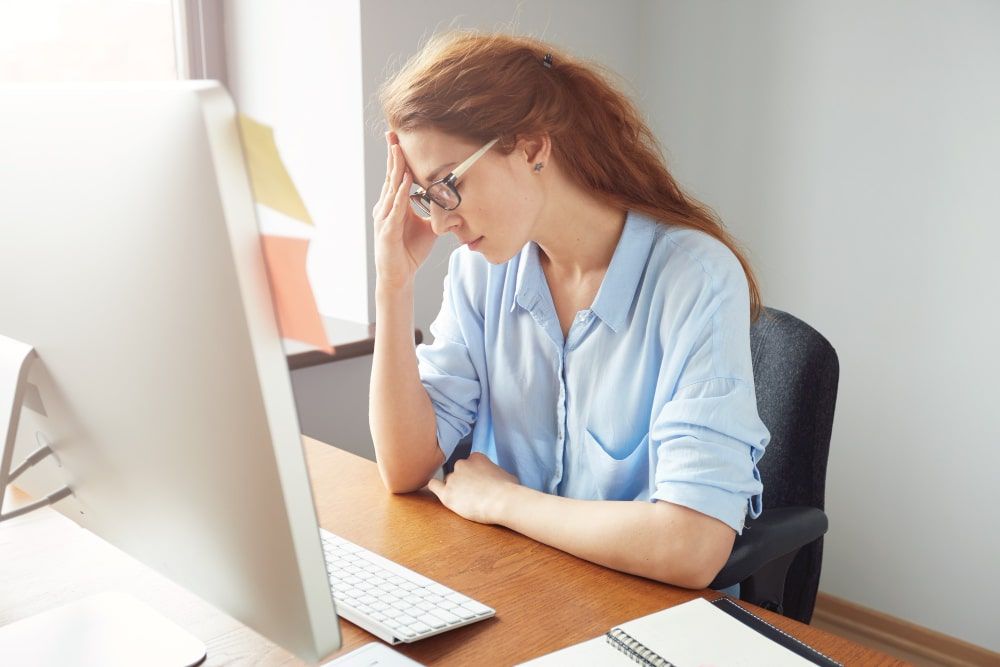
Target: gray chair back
{"points": [[796, 372]]}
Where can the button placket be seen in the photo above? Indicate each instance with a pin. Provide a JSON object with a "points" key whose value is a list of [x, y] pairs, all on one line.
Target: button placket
{"points": [[560, 423]]}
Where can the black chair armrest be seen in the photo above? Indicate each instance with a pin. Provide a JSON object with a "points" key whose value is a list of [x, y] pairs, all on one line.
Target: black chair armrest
{"points": [[777, 532]]}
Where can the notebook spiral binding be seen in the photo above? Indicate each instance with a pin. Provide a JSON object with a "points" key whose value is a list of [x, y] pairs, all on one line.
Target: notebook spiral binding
{"points": [[635, 649]]}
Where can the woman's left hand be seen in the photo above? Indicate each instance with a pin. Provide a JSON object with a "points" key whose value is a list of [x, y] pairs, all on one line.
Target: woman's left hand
{"points": [[476, 489]]}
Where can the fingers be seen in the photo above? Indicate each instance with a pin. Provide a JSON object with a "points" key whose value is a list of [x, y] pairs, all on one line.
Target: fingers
{"points": [[388, 167], [389, 189], [379, 208], [402, 197], [394, 175]]}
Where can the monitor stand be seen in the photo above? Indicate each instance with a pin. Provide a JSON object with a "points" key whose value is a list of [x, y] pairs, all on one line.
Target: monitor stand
{"points": [[105, 629], [15, 359], [108, 629]]}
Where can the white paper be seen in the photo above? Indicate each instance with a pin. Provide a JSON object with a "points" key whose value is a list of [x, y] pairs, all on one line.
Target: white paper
{"points": [[693, 634]]}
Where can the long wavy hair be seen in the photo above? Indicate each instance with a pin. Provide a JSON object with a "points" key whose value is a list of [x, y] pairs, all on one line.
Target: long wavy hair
{"points": [[478, 86]]}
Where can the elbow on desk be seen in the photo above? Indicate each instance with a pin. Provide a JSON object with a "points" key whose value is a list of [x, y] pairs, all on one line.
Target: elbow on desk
{"points": [[702, 577], [694, 547], [701, 564], [694, 576], [397, 484], [404, 478]]}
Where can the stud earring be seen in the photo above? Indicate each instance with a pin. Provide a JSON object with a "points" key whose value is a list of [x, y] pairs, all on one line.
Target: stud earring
{"points": [[538, 167]]}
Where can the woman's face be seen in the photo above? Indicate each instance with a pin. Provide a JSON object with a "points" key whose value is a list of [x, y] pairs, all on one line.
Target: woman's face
{"points": [[501, 196]]}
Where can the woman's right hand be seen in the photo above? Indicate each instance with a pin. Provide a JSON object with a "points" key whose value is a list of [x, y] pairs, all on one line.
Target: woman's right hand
{"points": [[403, 239]]}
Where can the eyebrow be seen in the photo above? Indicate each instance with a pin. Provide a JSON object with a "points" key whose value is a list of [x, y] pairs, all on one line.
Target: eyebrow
{"points": [[437, 172]]}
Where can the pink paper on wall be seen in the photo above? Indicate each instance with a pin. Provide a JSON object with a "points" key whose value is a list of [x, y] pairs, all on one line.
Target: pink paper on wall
{"points": [[294, 303]]}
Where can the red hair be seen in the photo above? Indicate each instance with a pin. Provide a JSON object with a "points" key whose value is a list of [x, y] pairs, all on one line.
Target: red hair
{"points": [[479, 86]]}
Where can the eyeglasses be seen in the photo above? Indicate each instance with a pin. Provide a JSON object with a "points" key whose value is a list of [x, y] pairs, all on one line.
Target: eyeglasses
{"points": [[443, 191]]}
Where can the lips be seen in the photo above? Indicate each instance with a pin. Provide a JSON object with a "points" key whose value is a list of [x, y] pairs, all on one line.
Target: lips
{"points": [[472, 244]]}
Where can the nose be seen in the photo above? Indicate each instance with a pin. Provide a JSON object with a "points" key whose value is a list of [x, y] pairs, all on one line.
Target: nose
{"points": [[443, 221]]}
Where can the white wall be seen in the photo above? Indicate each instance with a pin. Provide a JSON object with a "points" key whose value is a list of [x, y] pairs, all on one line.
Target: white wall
{"points": [[855, 148], [296, 65]]}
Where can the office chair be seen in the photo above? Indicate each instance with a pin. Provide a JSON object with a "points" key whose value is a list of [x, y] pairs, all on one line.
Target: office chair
{"points": [[778, 557]]}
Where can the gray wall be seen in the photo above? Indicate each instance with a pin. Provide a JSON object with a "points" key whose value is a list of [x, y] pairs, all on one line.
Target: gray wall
{"points": [[855, 148]]}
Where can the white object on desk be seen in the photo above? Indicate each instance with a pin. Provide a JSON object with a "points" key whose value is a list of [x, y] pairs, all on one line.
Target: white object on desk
{"points": [[109, 629], [690, 634], [391, 601], [373, 655]]}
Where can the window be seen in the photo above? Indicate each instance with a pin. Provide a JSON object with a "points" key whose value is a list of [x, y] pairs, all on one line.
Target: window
{"points": [[87, 40]]}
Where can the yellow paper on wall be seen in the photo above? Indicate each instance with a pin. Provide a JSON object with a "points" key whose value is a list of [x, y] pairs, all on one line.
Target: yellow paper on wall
{"points": [[272, 186]]}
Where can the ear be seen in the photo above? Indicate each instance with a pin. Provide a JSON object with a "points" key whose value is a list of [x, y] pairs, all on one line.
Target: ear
{"points": [[534, 149]]}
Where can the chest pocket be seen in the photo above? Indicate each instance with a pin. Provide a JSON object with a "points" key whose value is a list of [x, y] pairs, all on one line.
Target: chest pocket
{"points": [[620, 471]]}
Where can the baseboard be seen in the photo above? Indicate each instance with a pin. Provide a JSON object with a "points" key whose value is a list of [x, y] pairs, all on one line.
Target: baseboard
{"points": [[890, 632]]}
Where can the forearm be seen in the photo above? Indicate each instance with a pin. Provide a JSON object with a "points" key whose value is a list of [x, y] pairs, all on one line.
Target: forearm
{"points": [[401, 415], [659, 541]]}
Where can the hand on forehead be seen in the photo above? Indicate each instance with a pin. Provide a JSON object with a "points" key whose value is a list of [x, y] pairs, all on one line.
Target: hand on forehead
{"points": [[430, 154]]}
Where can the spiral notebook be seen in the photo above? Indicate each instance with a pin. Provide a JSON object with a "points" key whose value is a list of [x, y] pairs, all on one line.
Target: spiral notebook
{"points": [[697, 633]]}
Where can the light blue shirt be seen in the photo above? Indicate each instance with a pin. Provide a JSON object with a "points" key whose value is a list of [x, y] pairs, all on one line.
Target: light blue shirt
{"points": [[649, 397]]}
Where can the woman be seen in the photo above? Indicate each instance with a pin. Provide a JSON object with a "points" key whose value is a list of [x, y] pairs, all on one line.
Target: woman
{"points": [[594, 330]]}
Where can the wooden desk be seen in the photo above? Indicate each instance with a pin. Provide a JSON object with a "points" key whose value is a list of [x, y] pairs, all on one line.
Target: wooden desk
{"points": [[545, 599]]}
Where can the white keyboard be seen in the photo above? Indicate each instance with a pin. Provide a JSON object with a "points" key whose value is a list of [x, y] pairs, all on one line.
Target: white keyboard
{"points": [[390, 601]]}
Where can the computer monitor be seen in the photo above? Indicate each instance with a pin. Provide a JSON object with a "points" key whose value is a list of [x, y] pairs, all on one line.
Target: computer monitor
{"points": [[130, 260]]}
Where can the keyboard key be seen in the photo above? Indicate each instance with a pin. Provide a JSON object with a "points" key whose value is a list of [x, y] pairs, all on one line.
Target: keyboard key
{"points": [[432, 621], [445, 616], [419, 627], [463, 613], [476, 607]]}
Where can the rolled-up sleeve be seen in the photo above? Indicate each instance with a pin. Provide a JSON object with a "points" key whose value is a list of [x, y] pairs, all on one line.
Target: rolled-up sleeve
{"points": [[708, 436], [447, 370], [709, 442]]}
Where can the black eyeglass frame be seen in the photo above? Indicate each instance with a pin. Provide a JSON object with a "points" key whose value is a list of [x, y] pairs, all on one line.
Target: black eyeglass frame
{"points": [[422, 198]]}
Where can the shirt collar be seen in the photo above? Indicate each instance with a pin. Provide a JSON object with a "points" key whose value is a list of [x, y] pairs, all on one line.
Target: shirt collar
{"points": [[529, 277], [621, 281], [619, 287]]}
